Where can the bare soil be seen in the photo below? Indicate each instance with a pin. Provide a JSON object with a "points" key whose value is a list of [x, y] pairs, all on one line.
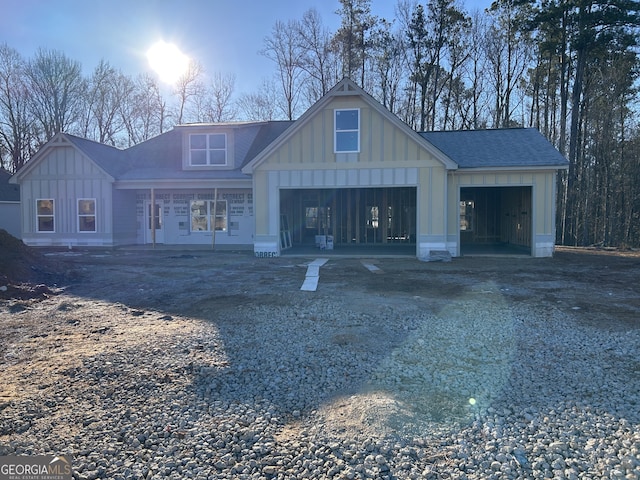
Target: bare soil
{"points": [[61, 307]]}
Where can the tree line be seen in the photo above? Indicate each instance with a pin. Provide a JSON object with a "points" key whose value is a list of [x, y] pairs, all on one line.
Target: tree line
{"points": [[566, 67]]}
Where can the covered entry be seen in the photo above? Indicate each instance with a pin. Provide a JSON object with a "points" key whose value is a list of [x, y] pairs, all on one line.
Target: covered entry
{"points": [[496, 220], [352, 216]]}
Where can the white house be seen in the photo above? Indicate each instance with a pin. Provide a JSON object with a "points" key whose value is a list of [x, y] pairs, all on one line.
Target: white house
{"points": [[347, 170]]}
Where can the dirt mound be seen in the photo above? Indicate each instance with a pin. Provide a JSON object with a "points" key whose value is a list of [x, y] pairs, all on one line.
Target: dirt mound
{"points": [[25, 272]]}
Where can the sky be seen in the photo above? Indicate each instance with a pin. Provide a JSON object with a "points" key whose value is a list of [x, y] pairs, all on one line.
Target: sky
{"points": [[225, 36]]}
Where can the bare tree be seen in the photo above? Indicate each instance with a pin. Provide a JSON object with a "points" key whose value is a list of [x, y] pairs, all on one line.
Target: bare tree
{"points": [[57, 91], [188, 88], [144, 113], [508, 53], [387, 59], [283, 48], [16, 142], [222, 108], [261, 105], [108, 90], [473, 73], [318, 60]]}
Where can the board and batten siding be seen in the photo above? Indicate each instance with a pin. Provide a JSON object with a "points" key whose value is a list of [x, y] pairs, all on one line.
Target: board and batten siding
{"points": [[543, 201], [65, 176], [388, 157]]}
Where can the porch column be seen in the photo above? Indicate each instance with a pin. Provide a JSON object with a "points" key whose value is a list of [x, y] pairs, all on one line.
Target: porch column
{"points": [[152, 217]]}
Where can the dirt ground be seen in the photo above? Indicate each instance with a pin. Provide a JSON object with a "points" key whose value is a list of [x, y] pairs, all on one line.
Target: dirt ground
{"points": [[603, 284], [83, 289]]}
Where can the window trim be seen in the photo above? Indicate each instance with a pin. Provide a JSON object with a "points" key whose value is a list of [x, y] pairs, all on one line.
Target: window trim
{"points": [[335, 130], [52, 216], [208, 150], [209, 202], [94, 215]]}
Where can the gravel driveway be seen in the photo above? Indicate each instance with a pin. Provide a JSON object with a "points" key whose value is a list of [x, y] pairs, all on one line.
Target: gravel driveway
{"points": [[208, 365]]}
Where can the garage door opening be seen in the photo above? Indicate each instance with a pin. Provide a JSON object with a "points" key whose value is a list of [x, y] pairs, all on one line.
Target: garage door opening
{"points": [[351, 217], [495, 220]]}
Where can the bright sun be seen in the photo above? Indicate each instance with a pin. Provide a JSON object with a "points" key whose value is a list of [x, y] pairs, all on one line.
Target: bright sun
{"points": [[167, 61]]}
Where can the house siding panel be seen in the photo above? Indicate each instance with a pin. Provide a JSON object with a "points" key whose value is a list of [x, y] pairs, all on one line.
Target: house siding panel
{"points": [[66, 175], [11, 218], [176, 217], [388, 157], [543, 193]]}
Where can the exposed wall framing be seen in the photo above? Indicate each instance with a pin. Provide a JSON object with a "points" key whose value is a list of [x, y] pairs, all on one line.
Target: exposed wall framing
{"points": [[366, 216], [496, 216]]}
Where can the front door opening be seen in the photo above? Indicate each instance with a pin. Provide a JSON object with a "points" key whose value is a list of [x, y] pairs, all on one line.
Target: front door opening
{"points": [[154, 219], [495, 220], [364, 216]]}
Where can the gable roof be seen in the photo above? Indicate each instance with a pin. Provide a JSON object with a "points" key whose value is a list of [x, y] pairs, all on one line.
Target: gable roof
{"points": [[501, 148], [106, 158], [8, 192], [160, 158], [346, 87]]}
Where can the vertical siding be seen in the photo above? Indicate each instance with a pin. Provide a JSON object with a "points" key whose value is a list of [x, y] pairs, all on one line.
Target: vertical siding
{"points": [[124, 217], [66, 175], [388, 157], [261, 203], [542, 190], [381, 141]]}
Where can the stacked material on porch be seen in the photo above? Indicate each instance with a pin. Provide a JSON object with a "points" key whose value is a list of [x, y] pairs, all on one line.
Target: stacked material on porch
{"points": [[324, 242]]}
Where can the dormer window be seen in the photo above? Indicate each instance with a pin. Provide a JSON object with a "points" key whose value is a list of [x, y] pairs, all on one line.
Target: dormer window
{"points": [[207, 149], [347, 131]]}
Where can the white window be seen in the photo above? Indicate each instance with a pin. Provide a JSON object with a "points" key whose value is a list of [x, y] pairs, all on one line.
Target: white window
{"points": [[45, 215], [207, 149], [203, 217], [86, 214], [347, 130]]}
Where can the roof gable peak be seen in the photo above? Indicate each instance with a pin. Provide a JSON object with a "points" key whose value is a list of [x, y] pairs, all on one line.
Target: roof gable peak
{"points": [[346, 86]]}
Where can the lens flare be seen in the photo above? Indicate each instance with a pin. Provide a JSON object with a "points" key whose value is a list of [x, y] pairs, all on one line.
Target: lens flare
{"points": [[167, 61]]}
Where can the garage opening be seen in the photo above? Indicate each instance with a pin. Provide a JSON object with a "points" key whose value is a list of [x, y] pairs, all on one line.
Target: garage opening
{"points": [[495, 220], [348, 216]]}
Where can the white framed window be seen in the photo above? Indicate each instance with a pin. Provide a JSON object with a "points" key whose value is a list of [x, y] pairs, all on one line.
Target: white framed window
{"points": [[203, 217], [207, 149], [86, 215], [45, 215], [347, 130]]}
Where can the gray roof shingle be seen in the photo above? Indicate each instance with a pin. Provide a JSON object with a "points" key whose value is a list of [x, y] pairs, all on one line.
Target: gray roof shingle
{"points": [[161, 157], [8, 192], [500, 148], [109, 158]]}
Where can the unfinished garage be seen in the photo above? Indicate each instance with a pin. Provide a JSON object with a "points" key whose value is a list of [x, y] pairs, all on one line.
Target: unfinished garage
{"points": [[348, 216], [496, 220]]}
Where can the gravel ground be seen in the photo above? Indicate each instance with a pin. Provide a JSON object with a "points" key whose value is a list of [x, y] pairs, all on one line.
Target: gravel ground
{"points": [[224, 369]]}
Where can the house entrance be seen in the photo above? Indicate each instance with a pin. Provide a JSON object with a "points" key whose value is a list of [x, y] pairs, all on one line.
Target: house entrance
{"points": [[153, 216], [363, 216], [495, 220]]}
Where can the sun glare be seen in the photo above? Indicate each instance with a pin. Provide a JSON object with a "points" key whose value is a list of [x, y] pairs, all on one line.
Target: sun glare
{"points": [[167, 61]]}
